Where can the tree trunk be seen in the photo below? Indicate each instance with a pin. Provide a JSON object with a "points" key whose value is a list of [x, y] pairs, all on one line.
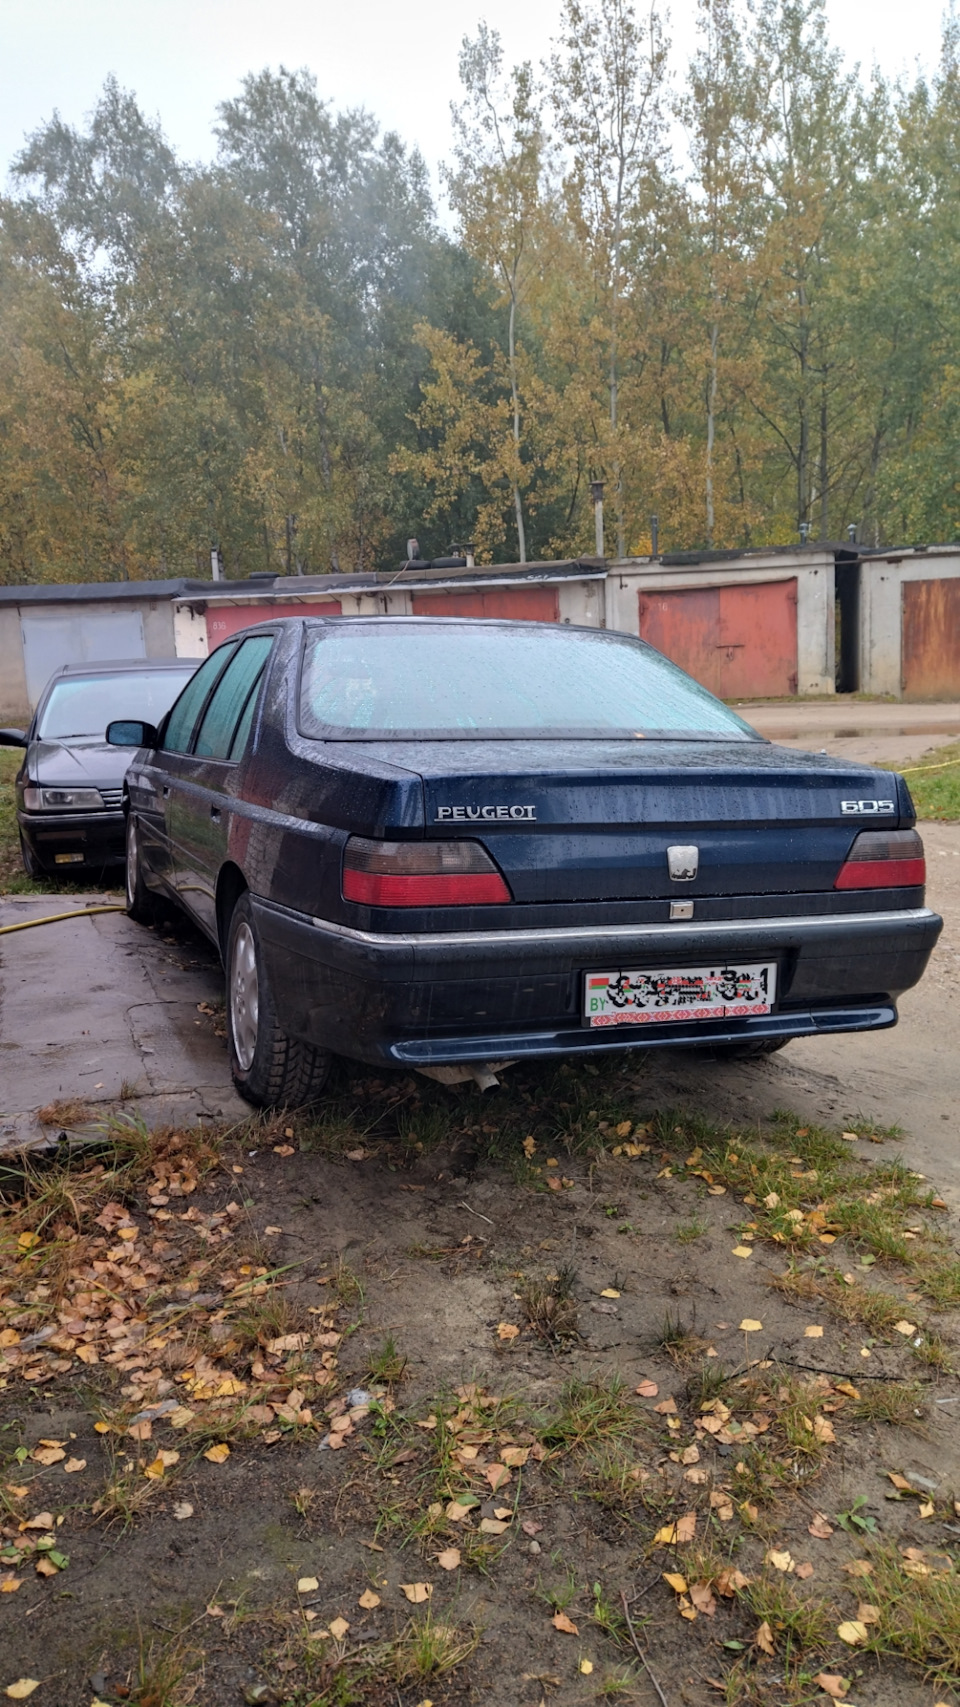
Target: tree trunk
{"points": [[517, 498]]}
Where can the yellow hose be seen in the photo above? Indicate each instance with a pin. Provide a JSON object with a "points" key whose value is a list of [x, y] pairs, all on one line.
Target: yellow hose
{"points": [[54, 918]]}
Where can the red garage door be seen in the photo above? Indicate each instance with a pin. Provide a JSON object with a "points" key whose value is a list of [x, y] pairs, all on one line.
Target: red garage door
{"points": [[931, 639], [521, 604], [740, 642], [224, 620]]}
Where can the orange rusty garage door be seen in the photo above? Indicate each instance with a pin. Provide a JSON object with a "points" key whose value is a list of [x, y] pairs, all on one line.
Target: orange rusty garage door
{"points": [[738, 641], [521, 604], [224, 620], [931, 639]]}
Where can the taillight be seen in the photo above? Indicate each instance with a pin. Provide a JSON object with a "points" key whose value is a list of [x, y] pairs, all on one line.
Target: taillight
{"points": [[420, 874], [884, 859]]}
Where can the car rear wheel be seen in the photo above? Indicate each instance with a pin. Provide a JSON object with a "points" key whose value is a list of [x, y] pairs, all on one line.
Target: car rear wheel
{"points": [[269, 1068], [142, 905]]}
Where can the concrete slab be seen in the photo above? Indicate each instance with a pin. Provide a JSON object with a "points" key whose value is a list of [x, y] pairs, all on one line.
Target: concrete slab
{"points": [[99, 1009]]}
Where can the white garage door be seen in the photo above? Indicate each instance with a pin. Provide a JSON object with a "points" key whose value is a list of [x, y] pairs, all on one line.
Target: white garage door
{"points": [[52, 638]]}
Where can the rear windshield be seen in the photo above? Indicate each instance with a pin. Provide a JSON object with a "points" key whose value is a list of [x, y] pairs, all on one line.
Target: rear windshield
{"points": [[84, 705], [400, 680]]}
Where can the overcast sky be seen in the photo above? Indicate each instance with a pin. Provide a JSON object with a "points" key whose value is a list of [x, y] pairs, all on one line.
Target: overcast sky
{"points": [[398, 59]]}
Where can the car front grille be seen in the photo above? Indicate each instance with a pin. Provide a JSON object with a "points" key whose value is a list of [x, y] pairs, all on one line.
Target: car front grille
{"points": [[112, 798]]}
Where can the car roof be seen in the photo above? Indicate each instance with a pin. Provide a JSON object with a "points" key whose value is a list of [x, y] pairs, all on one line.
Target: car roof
{"points": [[128, 666]]}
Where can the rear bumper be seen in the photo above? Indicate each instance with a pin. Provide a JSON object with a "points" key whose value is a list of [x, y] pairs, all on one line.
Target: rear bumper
{"points": [[98, 837], [422, 999]]}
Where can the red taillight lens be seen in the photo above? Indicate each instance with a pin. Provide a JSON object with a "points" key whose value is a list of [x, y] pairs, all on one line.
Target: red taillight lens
{"points": [[420, 874], [884, 859]]}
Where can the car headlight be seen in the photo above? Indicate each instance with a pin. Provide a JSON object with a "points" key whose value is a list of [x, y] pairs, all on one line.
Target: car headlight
{"points": [[61, 799]]}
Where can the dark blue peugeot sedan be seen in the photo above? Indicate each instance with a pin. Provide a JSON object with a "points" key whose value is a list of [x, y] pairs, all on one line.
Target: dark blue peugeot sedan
{"points": [[424, 842]]}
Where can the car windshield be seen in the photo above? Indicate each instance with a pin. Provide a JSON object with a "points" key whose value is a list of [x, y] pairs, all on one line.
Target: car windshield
{"points": [[83, 705], [438, 680]]}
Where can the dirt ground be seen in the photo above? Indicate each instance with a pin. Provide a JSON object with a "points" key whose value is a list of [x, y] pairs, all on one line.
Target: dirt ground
{"points": [[420, 1238]]}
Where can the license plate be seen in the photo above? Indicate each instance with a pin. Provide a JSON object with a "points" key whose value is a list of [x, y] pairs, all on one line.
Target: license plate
{"points": [[679, 992]]}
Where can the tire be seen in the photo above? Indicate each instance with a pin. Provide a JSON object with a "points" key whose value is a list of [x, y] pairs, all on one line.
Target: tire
{"points": [[31, 864], [269, 1068], [751, 1050], [142, 905]]}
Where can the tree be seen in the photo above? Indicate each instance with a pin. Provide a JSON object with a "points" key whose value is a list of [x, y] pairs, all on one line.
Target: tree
{"points": [[608, 87]]}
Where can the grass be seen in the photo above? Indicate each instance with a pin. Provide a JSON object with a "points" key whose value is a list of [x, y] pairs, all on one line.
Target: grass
{"points": [[13, 878], [936, 791]]}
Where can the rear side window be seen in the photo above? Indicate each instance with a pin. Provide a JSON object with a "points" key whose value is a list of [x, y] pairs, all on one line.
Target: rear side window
{"points": [[183, 717], [230, 697]]}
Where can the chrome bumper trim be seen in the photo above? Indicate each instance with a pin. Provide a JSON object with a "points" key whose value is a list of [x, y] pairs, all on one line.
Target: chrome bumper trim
{"points": [[567, 934]]}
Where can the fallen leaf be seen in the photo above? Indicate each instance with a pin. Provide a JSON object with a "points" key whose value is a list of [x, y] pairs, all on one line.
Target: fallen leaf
{"points": [[338, 1628], [804, 1571], [586, 1667], [858, 1568], [609, 1292], [852, 1631], [832, 1684], [780, 1559], [851, 1137], [813, 1333], [416, 1592], [73, 1465], [772, 1200], [217, 1454], [743, 1250], [676, 1581], [703, 1599], [764, 1639], [492, 1526], [560, 1621], [43, 1520], [529, 1146], [9, 1583], [905, 1327], [306, 1585], [368, 1600], [45, 1567], [23, 1687], [666, 1407], [823, 1430], [47, 1455], [507, 1331], [182, 1510], [531, 1527], [284, 1150], [515, 1456], [749, 1326], [868, 1614], [647, 1390], [730, 1581], [820, 1527], [497, 1475], [449, 1559], [457, 1510], [926, 1508]]}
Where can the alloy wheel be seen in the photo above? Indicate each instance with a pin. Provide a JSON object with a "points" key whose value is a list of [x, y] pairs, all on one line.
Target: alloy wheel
{"points": [[244, 997], [131, 874]]}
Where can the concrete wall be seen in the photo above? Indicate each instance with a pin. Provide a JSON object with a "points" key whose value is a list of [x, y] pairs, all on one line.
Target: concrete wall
{"points": [[881, 610], [14, 708]]}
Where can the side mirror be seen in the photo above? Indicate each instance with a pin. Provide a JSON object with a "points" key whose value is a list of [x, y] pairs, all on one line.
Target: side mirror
{"points": [[13, 737], [123, 732]]}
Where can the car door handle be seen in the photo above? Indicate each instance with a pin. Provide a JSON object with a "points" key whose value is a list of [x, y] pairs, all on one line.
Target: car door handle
{"points": [[215, 814]]}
